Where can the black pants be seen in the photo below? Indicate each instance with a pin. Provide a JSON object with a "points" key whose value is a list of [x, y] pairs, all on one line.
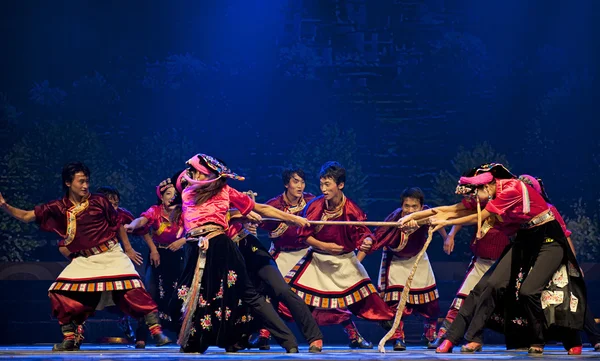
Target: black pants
{"points": [[269, 317], [548, 260], [461, 323], [260, 263], [160, 284], [262, 309]]}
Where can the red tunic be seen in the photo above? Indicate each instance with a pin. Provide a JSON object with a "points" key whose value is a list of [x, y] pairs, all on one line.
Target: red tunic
{"points": [[508, 203], [509, 229], [163, 232], [495, 239], [349, 237], [392, 237], [282, 235], [215, 209], [491, 245], [93, 225]]}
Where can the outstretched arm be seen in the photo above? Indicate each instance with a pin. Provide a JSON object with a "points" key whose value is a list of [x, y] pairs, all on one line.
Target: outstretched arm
{"points": [[19, 214], [272, 212], [462, 221], [430, 212], [136, 223]]}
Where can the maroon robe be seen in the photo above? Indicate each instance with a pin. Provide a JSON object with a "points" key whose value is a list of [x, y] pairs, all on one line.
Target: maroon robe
{"points": [[349, 237], [95, 225], [370, 307], [393, 237], [288, 240]]}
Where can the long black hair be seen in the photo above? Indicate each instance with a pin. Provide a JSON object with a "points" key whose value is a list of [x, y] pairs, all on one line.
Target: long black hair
{"points": [[175, 215]]}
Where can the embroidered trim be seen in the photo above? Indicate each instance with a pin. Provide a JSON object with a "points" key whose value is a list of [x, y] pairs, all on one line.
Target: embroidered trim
{"points": [[335, 213], [383, 270], [457, 302], [282, 227], [98, 249], [346, 299], [393, 293], [415, 298], [526, 200], [540, 219], [121, 284], [72, 214]]}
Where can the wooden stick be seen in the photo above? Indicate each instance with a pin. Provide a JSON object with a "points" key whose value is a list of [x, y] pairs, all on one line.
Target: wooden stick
{"points": [[421, 222], [404, 295]]}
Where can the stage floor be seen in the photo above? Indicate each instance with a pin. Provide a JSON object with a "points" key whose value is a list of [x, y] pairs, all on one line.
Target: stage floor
{"points": [[337, 353]]}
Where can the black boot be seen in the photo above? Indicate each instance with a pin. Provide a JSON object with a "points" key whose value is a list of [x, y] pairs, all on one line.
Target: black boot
{"points": [[79, 335], [69, 338], [399, 345], [360, 342], [441, 336], [356, 340], [125, 326], [261, 342], [155, 330]]}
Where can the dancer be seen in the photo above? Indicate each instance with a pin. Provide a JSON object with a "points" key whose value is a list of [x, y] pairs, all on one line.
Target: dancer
{"points": [[215, 281], [330, 276], [538, 252], [400, 249], [100, 273], [114, 197], [166, 254]]}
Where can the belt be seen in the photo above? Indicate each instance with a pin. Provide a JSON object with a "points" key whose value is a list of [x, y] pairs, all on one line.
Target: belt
{"points": [[240, 235], [101, 248], [538, 220], [207, 231], [329, 254], [288, 249]]}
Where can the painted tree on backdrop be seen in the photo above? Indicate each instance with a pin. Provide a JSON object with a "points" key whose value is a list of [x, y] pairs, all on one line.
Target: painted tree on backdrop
{"points": [[586, 232], [30, 165], [444, 186], [332, 143]]}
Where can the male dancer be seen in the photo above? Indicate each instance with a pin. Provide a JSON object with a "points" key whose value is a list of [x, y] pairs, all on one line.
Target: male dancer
{"points": [[287, 250], [400, 249], [100, 273], [330, 276]]}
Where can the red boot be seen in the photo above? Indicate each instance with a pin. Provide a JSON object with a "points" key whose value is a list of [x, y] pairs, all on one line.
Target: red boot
{"points": [[445, 347]]}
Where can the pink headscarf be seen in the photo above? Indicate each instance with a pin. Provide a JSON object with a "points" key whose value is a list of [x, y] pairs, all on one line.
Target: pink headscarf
{"points": [[178, 184], [195, 162], [478, 180]]}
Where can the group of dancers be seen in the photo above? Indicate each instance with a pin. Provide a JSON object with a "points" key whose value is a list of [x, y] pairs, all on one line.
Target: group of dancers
{"points": [[209, 279]]}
